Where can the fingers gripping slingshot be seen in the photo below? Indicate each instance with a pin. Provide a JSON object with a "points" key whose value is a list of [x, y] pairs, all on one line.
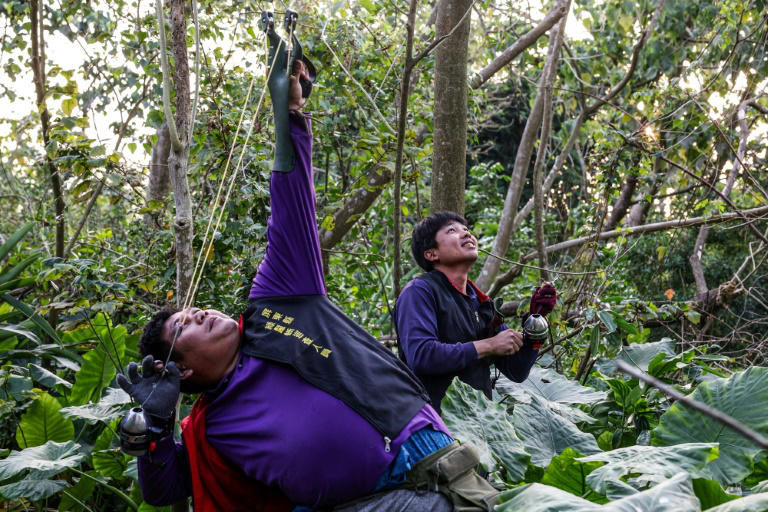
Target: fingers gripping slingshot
{"points": [[157, 388]]}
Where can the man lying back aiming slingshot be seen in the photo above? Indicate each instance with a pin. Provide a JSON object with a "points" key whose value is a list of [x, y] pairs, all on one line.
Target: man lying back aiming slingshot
{"points": [[299, 405]]}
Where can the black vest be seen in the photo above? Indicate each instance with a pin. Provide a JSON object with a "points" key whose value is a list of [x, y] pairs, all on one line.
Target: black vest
{"points": [[336, 355], [458, 322]]}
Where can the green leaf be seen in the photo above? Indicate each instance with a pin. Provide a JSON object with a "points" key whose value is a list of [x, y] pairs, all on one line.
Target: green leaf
{"points": [[46, 378], [34, 489], [567, 474], [554, 387], [43, 422], [693, 317], [674, 495], [595, 337], [51, 458], [39, 320], [473, 419], [547, 434], [16, 329], [369, 6], [608, 320], [108, 408], [14, 239], [638, 355], [110, 463], [80, 491], [653, 463], [710, 493], [753, 503], [742, 396], [17, 269], [98, 367]]}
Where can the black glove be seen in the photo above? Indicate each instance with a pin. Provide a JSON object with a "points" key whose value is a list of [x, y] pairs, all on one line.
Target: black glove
{"points": [[156, 392]]}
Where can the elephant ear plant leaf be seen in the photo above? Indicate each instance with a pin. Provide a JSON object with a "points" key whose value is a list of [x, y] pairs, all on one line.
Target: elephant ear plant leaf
{"points": [[742, 396], [43, 422], [109, 408], [547, 434], [673, 495], [482, 423], [653, 464]]}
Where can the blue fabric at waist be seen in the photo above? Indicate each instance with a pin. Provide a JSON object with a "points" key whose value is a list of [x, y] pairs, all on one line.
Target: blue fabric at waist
{"points": [[419, 445]]}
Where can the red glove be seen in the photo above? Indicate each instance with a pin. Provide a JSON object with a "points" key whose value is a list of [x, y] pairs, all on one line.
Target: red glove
{"points": [[543, 299]]}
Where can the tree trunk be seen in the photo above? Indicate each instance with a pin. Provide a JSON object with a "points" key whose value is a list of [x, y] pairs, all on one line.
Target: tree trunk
{"points": [[450, 108], [623, 202], [507, 220], [39, 77], [516, 185], [158, 181], [641, 208], [356, 204], [178, 156], [700, 241]]}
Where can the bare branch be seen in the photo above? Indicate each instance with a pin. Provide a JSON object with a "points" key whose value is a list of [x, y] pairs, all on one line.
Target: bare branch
{"points": [[632, 65], [694, 404], [753, 213], [551, 18], [356, 204]]}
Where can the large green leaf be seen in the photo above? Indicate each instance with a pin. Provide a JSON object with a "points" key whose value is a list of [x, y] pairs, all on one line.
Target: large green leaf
{"points": [[710, 493], [30, 313], [753, 503], [546, 434], [14, 239], [567, 474], [43, 422], [558, 392], [51, 458], [107, 409], [110, 463], [652, 463], [47, 378], [673, 495], [638, 355], [554, 387], [32, 488], [77, 493], [473, 419], [743, 396], [99, 366]]}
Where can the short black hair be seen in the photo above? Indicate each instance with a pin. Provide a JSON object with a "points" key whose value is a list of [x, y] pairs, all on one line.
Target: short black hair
{"points": [[424, 235], [153, 343]]}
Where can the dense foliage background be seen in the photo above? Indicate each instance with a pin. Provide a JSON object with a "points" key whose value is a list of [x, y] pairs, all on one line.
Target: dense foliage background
{"points": [[658, 127]]}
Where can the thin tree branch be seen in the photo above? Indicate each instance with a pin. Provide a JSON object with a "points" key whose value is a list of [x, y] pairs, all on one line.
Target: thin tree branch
{"points": [[636, 230], [551, 18], [712, 413]]}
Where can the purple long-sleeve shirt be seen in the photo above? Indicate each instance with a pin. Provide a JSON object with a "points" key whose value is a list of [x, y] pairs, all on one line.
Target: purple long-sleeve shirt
{"points": [[417, 325], [263, 417]]}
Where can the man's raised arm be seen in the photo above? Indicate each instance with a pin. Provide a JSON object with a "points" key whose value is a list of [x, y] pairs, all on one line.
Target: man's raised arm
{"points": [[292, 263]]}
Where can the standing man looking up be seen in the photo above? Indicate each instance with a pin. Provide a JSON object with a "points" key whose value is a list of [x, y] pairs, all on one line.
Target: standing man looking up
{"points": [[449, 328]]}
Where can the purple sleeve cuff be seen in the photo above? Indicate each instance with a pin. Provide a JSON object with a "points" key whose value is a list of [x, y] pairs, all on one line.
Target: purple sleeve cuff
{"points": [[164, 476]]}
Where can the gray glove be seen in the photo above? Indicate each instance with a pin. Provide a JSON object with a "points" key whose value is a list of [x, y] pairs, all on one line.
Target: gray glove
{"points": [[278, 83], [156, 391]]}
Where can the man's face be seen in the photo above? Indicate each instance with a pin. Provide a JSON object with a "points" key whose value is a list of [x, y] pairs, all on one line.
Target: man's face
{"points": [[207, 344], [454, 245]]}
